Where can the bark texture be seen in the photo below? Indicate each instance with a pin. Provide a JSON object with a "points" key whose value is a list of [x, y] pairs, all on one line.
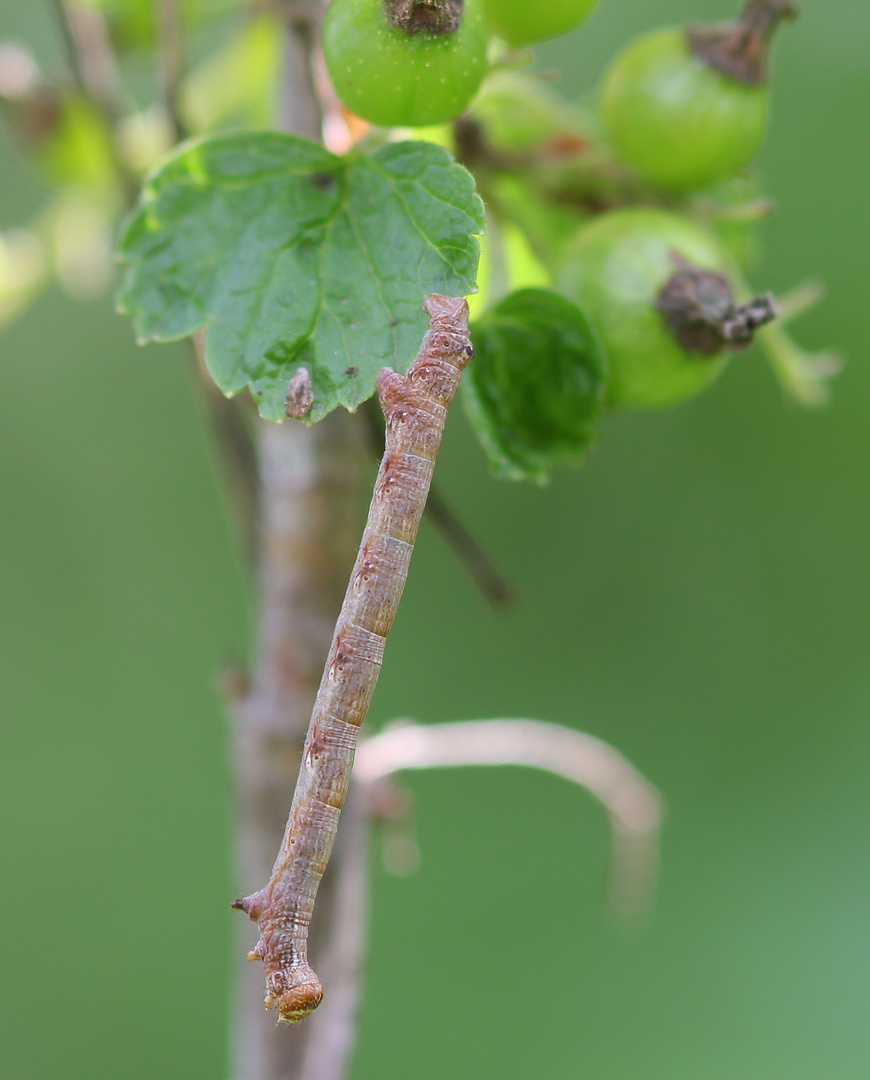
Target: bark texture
{"points": [[310, 505], [311, 483]]}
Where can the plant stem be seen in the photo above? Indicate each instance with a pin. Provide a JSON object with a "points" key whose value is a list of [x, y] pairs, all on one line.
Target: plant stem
{"points": [[95, 70], [299, 109], [332, 1032], [486, 576], [90, 54], [170, 42], [634, 805], [311, 485], [415, 410]]}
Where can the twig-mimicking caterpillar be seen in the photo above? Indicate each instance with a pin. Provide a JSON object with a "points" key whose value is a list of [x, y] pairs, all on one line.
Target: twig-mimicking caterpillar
{"points": [[415, 409]]}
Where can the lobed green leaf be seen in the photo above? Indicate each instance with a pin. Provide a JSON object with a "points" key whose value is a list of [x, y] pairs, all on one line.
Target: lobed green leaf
{"points": [[536, 387], [290, 256]]}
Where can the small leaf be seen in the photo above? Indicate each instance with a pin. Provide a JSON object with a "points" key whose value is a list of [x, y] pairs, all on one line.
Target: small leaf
{"points": [[291, 257], [536, 386]]}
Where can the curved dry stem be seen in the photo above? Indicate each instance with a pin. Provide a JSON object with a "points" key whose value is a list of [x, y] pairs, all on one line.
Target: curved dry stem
{"points": [[634, 805]]}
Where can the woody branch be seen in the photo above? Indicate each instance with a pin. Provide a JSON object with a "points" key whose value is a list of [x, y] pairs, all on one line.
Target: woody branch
{"points": [[310, 495]]}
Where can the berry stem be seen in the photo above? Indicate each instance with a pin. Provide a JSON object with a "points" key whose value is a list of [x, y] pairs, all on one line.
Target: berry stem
{"points": [[701, 313], [434, 17], [741, 50], [803, 375]]}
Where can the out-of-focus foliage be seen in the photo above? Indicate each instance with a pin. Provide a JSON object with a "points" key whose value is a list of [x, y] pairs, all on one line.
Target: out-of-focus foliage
{"points": [[235, 85], [133, 24]]}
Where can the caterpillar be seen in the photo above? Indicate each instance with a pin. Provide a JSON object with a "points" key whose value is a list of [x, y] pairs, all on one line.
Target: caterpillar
{"points": [[415, 409]]}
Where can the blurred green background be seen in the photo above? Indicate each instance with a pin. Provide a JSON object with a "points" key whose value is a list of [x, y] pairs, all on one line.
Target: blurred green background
{"points": [[698, 595]]}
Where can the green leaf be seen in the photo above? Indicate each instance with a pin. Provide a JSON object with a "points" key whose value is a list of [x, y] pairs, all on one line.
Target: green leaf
{"points": [[536, 386], [291, 257]]}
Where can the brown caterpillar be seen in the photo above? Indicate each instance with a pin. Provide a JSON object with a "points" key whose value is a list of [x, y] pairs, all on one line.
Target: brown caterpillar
{"points": [[415, 409]]}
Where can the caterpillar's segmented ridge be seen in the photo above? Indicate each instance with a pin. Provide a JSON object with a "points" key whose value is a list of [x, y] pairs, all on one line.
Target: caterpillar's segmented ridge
{"points": [[415, 409]]}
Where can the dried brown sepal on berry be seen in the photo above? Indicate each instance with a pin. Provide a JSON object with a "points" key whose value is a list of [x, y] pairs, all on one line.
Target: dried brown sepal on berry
{"points": [[740, 50], [701, 312], [425, 16]]}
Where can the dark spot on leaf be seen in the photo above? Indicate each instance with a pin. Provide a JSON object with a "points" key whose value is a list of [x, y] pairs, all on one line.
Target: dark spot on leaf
{"points": [[323, 181], [351, 371]]}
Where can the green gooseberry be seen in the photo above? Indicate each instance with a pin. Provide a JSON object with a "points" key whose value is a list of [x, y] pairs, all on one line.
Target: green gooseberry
{"points": [[687, 107], [655, 286], [397, 63]]}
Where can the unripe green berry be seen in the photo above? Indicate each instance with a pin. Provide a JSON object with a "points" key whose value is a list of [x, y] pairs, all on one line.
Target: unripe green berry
{"points": [[395, 77], [655, 287], [674, 119]]}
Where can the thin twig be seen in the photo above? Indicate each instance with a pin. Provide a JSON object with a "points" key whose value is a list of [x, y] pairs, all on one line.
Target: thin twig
{"points": [[299, 106], [633, 804], [799, 300], [486, 576], [90, 54], [170, 46], [95, 71], [415, 408]]}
